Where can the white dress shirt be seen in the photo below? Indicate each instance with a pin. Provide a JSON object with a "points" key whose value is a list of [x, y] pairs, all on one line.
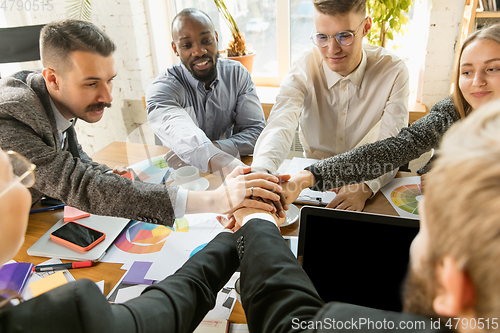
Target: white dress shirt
{"points": [[335, 113], [62, 123]]}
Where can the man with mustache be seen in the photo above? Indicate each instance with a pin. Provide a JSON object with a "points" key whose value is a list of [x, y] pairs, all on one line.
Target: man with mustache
{"points": [[341, 94], [37, 112], [204, 109]]}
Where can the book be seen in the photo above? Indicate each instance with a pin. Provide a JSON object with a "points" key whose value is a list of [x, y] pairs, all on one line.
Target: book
{"points": [[14, 276], [213, 326]]}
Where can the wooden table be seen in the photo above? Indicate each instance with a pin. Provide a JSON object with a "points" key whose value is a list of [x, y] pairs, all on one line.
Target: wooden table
{"points": [[124, 154]]}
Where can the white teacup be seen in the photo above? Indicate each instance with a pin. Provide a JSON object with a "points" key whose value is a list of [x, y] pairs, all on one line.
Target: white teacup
{"points": [[237, 289], [186, 174]]}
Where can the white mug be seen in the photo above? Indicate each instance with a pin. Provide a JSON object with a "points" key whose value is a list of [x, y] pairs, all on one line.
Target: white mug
{"points": [[186, 174]]}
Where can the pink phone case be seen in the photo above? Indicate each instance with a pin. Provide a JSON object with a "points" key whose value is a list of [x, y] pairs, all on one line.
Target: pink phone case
{"points": [[74, 246]]}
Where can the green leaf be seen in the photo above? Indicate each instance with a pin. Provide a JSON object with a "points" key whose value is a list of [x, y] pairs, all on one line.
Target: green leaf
{"points": [[391, 12], [79, 9]]}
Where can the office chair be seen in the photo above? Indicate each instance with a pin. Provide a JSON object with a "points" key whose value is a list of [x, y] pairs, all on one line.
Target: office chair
{"points": [[20, 44]]}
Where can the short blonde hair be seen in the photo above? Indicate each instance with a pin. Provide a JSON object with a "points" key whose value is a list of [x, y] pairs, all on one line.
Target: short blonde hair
{"points": [[462, 204]]}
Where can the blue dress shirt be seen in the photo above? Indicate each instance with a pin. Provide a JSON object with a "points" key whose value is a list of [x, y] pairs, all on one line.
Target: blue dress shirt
{"points": [[187, 117]]}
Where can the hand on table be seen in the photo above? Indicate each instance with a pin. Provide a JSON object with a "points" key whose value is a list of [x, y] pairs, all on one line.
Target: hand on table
{"points": [[351, 197]]}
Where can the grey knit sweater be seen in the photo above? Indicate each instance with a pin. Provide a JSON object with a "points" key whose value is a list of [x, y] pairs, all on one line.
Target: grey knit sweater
{"points": [[374, 159]]}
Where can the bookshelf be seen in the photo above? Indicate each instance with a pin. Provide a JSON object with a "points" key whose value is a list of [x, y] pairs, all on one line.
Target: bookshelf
{"points": [[470, 20]]}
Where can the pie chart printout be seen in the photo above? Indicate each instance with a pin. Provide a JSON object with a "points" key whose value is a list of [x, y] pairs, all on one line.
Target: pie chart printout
{"points": [[406, 197]]}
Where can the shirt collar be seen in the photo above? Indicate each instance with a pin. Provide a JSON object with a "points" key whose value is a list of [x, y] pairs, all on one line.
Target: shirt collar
{"points": [[356, 77], [62, 123], [195, 83]]}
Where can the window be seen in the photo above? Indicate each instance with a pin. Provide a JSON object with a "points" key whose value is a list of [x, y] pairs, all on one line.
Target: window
{"points": [[279, 32], [266, 25]]}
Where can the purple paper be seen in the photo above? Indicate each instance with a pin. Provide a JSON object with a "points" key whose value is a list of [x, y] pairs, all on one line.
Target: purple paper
{"points": [[14, 276], [137, 272]]}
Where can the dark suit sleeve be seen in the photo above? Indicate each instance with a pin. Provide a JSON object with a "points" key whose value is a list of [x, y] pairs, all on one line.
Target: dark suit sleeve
{"points": [[274, 287], [176, 304], [180, 302], [75, 307]]}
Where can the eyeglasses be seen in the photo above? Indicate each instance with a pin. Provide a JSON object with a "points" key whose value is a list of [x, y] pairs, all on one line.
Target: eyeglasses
{"points": [[344, 38], [22, 170]]}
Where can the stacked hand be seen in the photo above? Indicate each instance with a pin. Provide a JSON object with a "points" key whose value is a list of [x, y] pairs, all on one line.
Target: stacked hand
{"points": [[234, 222], [288, 189], [244, 189]]}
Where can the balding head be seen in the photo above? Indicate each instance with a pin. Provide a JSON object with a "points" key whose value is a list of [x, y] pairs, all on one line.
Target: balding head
{"points": [[195, 42], [187, 16]]}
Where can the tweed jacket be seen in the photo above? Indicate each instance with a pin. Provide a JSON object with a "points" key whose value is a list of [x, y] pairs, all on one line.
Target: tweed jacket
{"points": [[374, 159], [28, 126]]}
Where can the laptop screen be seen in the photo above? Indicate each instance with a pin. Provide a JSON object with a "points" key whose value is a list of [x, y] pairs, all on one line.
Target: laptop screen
{"points": [[356, 258]]}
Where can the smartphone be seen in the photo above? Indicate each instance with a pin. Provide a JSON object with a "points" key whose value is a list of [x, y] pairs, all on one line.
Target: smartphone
{"points": [[76, 236]]}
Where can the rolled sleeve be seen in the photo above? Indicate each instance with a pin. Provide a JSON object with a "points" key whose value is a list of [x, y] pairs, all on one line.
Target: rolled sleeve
{"points": [[180, 203], [275, 141]]}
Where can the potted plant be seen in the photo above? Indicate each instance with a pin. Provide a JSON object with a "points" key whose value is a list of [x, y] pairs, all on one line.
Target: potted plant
{"points": [[79, 9], [237, 48], [388, 17]]}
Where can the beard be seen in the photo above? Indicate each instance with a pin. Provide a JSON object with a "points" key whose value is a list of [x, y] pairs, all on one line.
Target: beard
{"points": [[419, 293], [207, 76]]}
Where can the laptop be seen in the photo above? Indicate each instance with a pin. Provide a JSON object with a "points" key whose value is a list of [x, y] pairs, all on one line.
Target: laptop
{"points": [[356, 258], [111, 226]]}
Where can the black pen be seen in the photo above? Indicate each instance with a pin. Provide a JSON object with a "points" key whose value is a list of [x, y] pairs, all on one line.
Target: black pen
{"points": [[46, 209]]}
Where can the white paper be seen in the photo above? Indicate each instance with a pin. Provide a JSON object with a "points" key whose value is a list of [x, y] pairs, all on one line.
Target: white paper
{"points": [[238, 328], [404, 195], [226, 298], [153, 170], [294, 244], [28, 293], [298, 163], [100, 285], [129, 293], [177, 250], [307, 195], [191, 224]]}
